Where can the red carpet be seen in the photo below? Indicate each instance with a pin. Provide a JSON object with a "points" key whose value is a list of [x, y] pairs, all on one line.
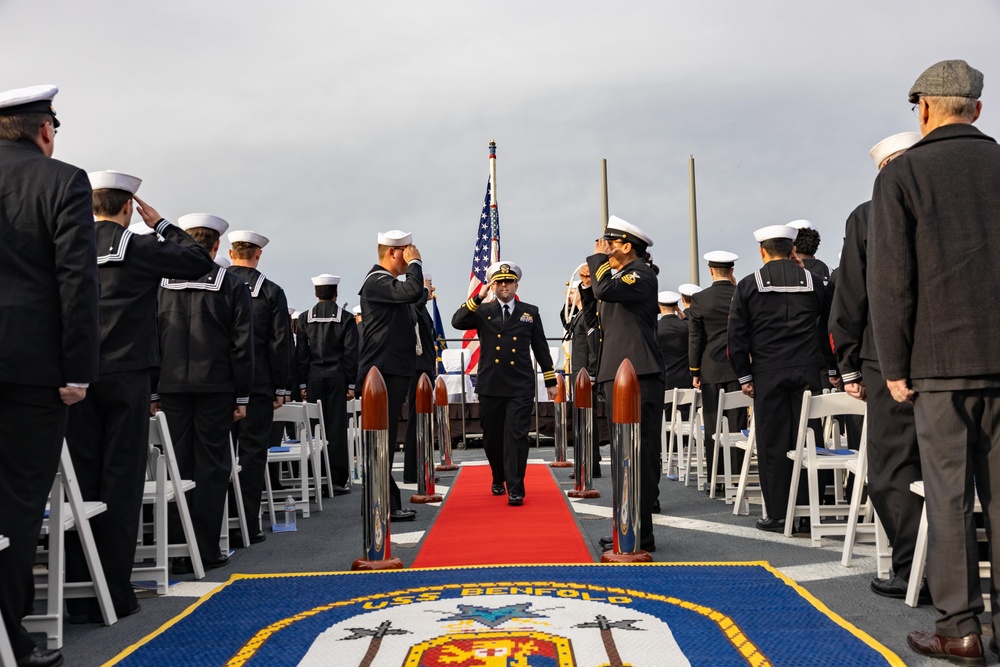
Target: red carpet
{"points": [[477, 528]]}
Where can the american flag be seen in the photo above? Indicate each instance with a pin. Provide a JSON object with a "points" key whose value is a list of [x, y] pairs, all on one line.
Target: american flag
{"points": [[487, 251]]}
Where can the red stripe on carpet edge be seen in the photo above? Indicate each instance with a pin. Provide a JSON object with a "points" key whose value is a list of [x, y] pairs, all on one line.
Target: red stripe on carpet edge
{"points": [[475, 527]]}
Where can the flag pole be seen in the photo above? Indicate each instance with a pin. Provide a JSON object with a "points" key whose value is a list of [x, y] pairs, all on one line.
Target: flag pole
{"points": [[604, 194], [495, 246], [694, 222]]}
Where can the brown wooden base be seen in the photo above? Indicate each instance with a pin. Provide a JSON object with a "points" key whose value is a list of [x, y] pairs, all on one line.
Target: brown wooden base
{"points": [[586, 493], [446, 468], [367, 565], [638, 557], [435, 498], [560, 464]]}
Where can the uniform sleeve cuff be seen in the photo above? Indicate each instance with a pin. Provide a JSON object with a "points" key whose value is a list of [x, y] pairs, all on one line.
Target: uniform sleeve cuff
{"points": [[850, 378], [242, 400], [78, 385], [161, 226], [745, 379], [350, 387], [153, 398]]}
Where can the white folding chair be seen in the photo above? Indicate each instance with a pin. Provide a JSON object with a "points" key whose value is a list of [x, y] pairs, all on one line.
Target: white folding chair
{"points": [[862, 519], [726, 440], [354, 440], [321, 448], [172, 490], [665, 425], [680, 428], [920, 552], [68, 510], [240, 520], [805, 456], [6, 651], [300, 452]]}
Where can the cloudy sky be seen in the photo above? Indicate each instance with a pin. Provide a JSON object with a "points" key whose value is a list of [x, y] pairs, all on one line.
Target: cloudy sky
{"points": [[319, 124]]}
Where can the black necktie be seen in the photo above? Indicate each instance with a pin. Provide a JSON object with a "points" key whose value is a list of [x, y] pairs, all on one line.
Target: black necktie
{"points": [[506, 313]]}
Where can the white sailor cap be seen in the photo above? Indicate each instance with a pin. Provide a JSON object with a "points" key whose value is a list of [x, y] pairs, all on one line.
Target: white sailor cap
{"points": [[33, 99], [325, 279], [889, 146], [427, 276], [688, 289], [721, 259], [292, 311], [503, 271], [775, 232], [800, 224], [246, 236], [223, 261], [626, 231], [192, 220], [668, 298], [113, 180], [356, 310], [395, 238], [295, 314]]}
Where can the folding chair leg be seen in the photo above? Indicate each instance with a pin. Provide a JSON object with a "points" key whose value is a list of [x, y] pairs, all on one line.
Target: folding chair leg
{"points": [[852, 519], [919, 561], [241, 513], [270, 497], [883, 552], [741, 488]]}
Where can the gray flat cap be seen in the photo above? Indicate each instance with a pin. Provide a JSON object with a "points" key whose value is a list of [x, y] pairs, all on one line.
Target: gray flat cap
{"points": [[948, 78]]}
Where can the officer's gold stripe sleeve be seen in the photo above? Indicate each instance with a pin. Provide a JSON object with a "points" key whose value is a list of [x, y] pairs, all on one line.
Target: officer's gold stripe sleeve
{"points": [[472, 305], [602, 269], [695, 369], [549, 375]]}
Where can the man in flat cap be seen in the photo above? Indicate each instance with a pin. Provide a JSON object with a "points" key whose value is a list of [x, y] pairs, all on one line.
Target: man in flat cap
{"points": [[326, 356], [626, 311], [777, 335], [108, 432], [389, 337], [933, 242], [893, 457], [49, 334], [708, 319], [509, 331], [272, 356], [206, 376]]}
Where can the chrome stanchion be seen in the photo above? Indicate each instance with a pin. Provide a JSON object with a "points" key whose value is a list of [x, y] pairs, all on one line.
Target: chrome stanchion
{"points": [[559, 406], [443, 424], [626, 470], [375, 449], [425, 444], [583, 439]]}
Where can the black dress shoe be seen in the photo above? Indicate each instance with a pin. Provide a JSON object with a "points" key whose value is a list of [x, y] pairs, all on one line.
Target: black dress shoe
{"points": [[895, 587], [341, 490], [515, 500], [403, 515], [94, 615], [41, 658], [258, 537], [498, 490], [221, 560], [597, 472], [181, 565], [967, 650], [572, 475], [656, 506], [771, 525]]}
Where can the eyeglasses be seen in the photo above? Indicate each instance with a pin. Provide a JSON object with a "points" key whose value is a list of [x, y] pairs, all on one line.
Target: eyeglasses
{"points": [[505, 281], [915, 109]]}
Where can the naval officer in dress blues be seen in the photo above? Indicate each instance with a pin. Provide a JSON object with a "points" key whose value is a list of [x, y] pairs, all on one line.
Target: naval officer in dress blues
{"points": [[108, 432], [509, 331], [624, 283]]}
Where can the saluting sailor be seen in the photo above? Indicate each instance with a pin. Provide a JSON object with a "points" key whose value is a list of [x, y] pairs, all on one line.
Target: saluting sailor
{"points": [[108, 433], [509, 331], [624, 283], [326, 356], [777, 332], [389, 337], [708, 318], [206, 376], [272, 354]]}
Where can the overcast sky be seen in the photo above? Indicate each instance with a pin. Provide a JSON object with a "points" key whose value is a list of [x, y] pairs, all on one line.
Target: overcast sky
{"points": [[320, 124]]}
